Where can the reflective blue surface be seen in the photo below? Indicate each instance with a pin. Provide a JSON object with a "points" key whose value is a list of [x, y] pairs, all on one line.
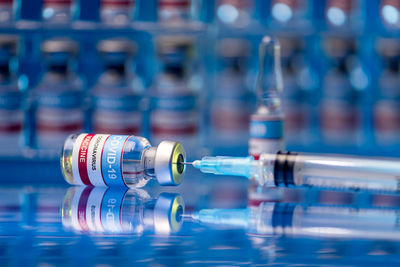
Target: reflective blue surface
{"points": [[59, 225]]}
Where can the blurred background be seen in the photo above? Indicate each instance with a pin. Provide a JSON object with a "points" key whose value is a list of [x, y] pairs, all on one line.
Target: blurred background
{"points": [[185, 70]]}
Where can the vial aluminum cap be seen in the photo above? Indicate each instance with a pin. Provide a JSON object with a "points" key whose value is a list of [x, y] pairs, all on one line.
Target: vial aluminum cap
{"points": [[117, 45], [60, 45], [167, 171], [168, 212]]}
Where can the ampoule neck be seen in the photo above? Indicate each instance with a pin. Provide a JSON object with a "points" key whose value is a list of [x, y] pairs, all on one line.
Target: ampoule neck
{"points": [[269, 105]]}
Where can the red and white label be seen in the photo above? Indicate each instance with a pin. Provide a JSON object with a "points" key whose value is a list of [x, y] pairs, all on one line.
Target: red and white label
{"points": [[86, 159]]}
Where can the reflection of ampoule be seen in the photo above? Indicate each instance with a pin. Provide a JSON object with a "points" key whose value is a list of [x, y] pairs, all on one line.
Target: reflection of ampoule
{"points": [[266, 125], [120, 160], [101, 210], [300, 220]]}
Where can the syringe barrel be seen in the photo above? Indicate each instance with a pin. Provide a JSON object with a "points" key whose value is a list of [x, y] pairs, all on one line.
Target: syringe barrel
{"points": [[337, 171]]}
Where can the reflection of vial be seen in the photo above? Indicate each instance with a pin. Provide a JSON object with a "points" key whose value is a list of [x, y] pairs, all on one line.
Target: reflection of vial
{"points": [[174, 101], [120, 160], [57, 100], [111, 211], [57, 11], [173, 11], [117, 12], [117, 96], [266, 125], [6, 11], [10, 98]]}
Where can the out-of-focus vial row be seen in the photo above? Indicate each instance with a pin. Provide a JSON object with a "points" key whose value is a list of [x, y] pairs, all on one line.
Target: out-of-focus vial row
{"points": [[118, 102], [113, 12]]}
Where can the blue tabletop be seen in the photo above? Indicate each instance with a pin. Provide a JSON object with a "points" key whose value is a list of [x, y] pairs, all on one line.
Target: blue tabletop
{"points": [[207, 220]]}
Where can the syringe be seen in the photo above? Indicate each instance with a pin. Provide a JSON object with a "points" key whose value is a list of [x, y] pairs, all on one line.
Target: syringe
{"points": [[298, 169]]}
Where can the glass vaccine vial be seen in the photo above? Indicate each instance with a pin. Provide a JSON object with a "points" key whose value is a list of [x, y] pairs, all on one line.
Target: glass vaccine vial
{"points": [[120, 160]]}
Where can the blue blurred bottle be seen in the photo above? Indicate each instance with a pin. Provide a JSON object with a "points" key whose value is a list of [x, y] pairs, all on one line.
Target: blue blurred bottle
{"points": [[58, 11], [11, 115], [117, 12], [57, 102], [231, 103], [6, 11], [175, 113], [342, 85], [386, 111], [117, 97], [300, 83]]}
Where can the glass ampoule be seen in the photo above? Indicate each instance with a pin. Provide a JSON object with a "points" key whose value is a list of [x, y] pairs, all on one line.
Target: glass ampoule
{"points": [[266, 125]]}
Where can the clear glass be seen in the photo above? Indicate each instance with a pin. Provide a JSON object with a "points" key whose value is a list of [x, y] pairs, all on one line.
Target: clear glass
{"points": [[137, 161], [266, 125], [336, 171]]}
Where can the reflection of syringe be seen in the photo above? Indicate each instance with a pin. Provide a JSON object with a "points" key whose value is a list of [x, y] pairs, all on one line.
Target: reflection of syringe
{"points": [[302, 220], [294, 169]]}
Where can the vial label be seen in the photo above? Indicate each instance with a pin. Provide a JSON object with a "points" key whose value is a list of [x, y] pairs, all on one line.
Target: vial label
{"points": [[97, 159], [110, 213], [96, 210], [266, 135]]}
